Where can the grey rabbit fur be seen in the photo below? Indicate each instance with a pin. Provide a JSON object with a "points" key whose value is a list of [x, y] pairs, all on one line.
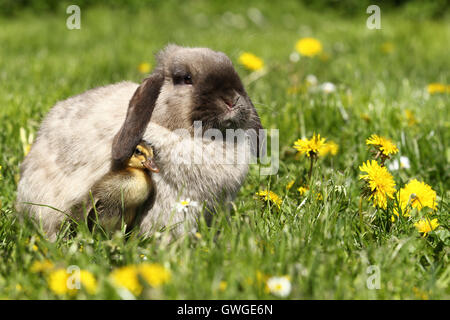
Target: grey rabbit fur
{"points": [[83, 137]]}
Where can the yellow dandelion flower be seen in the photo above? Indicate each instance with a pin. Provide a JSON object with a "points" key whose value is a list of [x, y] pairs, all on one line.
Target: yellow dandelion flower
{"points": [[420, 294], [302, 190], [310, 147], [144, 67], [410, 118], [290, 184], [417, 195], [41, 266], [27, 141], [261, 281], [433, 88], [425, 225], [261, 277], [248, 281], [380, 181], [57, 281], [88, 281], [365, 117], [308, 47], [330, 147], [127, 277], [324, 57], [26, 149], [154, 274], [293, 90], [223, 285], [382, 144], [387, 47], [270, 196], [250, 61]]}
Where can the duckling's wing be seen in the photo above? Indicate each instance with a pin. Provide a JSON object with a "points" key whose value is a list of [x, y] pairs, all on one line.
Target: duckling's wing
{"points": [[106, 215]]}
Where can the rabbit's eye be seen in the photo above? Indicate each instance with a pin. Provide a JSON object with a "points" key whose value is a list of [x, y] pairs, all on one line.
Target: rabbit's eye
{"points": [[187, 79], [182, 77]]}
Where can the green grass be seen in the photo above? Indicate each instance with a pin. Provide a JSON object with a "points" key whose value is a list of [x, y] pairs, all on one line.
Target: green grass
{"points": [[324, 246]]}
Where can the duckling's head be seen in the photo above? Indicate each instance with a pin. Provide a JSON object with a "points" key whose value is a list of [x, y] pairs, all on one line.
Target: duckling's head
{"points": [[143, 158]]}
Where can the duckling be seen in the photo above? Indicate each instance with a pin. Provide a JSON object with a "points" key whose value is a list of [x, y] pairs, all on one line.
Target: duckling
{"points": [[120, 192]]}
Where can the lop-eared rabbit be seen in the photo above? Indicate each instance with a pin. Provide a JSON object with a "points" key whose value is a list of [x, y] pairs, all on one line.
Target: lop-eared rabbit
{"points": [[83, 137]]}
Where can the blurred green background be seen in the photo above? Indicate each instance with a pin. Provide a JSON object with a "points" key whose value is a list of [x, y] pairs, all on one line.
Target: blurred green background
{"points": [[412, 8]]}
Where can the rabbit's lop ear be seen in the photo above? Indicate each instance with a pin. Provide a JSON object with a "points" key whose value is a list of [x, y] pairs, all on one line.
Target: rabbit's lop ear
{"points": [[138, 116]]}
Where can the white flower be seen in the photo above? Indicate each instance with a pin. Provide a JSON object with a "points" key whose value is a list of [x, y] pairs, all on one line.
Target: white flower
{"points": [[279, 286], [403, 164], [328, 87], [294, 57], [184, 205], [256, 16], [394, 165], [311, 80]]}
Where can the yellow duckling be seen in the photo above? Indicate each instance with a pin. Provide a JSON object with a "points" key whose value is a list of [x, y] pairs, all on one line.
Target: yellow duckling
{"points": [[119, 193]]}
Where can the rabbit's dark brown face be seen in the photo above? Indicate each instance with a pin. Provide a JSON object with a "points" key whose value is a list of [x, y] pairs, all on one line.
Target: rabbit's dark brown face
{"points": [[188, 85], [219, 98], [215, 94], [202, 85]]}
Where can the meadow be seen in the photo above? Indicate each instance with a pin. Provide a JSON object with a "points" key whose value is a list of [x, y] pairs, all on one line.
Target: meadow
{"points": [[326, 241]]}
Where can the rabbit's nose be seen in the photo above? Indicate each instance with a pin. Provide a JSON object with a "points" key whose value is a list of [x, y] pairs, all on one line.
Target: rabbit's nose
{"points": [[229, 104], [232, 103]]}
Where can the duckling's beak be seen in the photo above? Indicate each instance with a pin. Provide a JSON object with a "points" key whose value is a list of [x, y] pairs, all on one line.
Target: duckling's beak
{"points": [[151, 165]]}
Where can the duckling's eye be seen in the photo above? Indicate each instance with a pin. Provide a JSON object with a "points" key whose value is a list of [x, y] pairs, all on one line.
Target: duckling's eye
{"points": [[138, 152]]}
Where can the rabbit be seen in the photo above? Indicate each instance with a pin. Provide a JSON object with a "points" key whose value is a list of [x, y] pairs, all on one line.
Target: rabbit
{"points": [[187, 85]]}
